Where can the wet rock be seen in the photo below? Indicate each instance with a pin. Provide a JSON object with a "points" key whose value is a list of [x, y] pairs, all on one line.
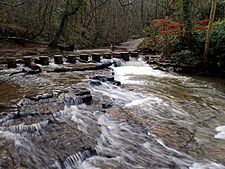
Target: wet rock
{"points": [[55, 101], [84, 57], [44, 60], [98, 66], [159, 68], [152, 59], [71, 58], [27, 60], [35, 67], [95, 82], [118, 62], [58, 59], [96, 57], [134, 54], [117, 83], [103, 78], [116, 55], [19, 61], [75, 96], [125, 56], [146, 58], [107, 56], [106, 102]]}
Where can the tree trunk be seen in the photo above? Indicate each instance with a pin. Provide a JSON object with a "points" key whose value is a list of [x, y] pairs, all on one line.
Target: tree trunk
{"points": [[156, 9], [54, 42], [210, 29], [142, 14], [64, 20], [187, 21]]}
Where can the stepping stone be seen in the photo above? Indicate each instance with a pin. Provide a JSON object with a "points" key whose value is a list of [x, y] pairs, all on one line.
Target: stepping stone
{"points": [[96, 57], [58, 59], [27, 60], [44, 60], [71, 58], [84, 57], [134, 54], [125, 56], [116, 55], [107, 56]]}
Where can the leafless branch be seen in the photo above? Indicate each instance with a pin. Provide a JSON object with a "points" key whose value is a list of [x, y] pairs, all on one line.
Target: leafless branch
{"points": [[13, 5]]}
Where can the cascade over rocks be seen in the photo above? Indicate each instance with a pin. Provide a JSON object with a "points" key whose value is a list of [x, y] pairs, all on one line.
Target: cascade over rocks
{"points": [[57, 99]]}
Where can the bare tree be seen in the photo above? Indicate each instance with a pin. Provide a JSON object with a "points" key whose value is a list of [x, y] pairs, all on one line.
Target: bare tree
{"points": [[210, 29]]}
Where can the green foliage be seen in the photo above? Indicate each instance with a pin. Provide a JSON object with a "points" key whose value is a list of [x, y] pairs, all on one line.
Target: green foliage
{"points": [[217, 47], [185, 57]]}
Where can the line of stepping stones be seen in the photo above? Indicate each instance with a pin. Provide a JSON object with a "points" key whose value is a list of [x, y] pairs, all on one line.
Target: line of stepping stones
{"points": [[58, 59]]}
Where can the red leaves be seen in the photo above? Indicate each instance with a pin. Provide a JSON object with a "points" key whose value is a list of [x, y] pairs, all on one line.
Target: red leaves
{"points": [[170, 27], [166, 26], [171, 31], [199, 27], [203, 22], [168, 23]]}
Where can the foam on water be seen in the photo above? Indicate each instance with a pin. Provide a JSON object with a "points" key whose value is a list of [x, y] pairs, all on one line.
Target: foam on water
{"points": [[221, 132], [128, 147], [116, 93], [139, 68], [145, 100], [209, 165]]}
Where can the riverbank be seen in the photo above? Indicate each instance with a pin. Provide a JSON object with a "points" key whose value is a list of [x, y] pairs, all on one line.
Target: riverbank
{"points": [[168, 65]]}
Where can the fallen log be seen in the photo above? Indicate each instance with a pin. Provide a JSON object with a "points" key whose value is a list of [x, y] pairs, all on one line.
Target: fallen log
{"points": [[68, 69], [20, 40], [26, 72]]}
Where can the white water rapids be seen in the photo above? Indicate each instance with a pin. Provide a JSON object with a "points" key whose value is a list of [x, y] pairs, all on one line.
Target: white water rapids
{"points": [[168, 114]]}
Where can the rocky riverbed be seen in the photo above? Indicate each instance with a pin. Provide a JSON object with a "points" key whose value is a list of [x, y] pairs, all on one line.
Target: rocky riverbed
{"points": [[130, 116]]}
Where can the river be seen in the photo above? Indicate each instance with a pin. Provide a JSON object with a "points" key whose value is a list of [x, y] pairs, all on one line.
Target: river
{"points": [[153, 120]]}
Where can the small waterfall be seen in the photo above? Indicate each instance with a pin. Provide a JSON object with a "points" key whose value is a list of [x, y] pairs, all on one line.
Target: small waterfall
{"points": [[60, 114], [74, 161], [12, 116], [73, 101], [135, 62], [119, 95], [37, 127], [8, 117]]}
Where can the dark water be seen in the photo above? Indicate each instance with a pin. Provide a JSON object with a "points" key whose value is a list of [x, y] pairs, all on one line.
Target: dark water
{"points": [[157, 120]]}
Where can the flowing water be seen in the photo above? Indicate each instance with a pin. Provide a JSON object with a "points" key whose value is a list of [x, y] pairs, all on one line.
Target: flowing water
{"points": [[153, 120]]}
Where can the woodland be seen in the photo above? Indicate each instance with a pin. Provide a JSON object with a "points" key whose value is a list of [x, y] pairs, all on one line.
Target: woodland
{"points": [[190, 32]]}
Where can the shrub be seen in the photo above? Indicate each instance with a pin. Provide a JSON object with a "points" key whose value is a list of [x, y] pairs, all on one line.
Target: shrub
{"points": [[185, 57]]}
